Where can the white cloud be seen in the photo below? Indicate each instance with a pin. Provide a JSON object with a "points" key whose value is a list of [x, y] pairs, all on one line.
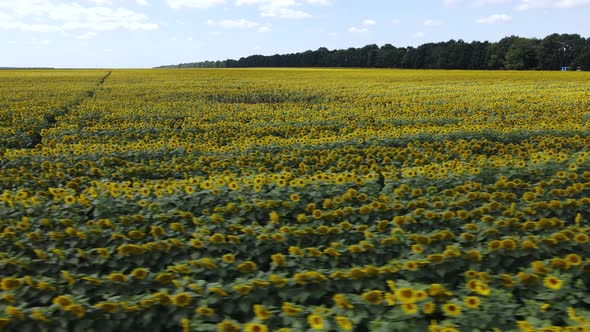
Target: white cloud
{"points": [[194, 3], [396, 21], [491, 2], [364, 26], [15, 25], [102, 2], [548, 4], [433, 23], [286, 13], [357, 30], [418, 34], [5, 17], [476, 3], [495, 18], [290, 9], [88, 35], [141, 2], [38, 43], [239, 24], [51, 16]]}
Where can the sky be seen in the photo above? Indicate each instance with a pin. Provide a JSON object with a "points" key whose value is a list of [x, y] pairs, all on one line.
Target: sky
{"points": [[149, 33]]}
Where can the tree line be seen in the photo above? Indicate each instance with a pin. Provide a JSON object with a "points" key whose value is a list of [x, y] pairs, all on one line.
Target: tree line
{"points": [[512, 53]]}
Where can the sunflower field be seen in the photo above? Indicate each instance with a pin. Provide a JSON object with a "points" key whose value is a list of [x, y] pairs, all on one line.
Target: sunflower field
{"points": [[294, 200]]}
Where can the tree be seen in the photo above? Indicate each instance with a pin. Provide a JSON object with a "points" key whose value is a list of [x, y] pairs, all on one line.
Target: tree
{"points": [[550, 53], [521, 54]]}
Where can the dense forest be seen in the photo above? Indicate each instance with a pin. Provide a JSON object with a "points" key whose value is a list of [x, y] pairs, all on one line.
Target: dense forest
{"points": [[550, 53]]}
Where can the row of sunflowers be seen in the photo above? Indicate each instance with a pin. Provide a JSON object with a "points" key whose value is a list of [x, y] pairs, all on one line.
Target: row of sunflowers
{"points": [[294, 200]]}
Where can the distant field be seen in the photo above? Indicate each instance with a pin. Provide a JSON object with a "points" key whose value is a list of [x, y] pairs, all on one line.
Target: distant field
{"points": [[308, 200]]}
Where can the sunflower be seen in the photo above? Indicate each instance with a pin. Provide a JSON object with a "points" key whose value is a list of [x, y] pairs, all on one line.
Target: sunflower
{"points": [[410, 308], [540, 267], [474, 255], [479, 287], [529, 245], [70, 199], [472, 302], [552, 282], [277, 280], [196, 243], [129, 249], [243, 289], [410, 265], [103, 252], [228, 326], [10, 283], [274, 217], [110, 307], [405, 295], [182, 299], [228, 258], [290, 309], [560, 263], [435, 258], [217, 238], [341, 301], [429, 308], [117, 277], [205, 311], [255, 327], [140, 273], [14, 312], [581, 238], [162, 298], [247, 267], [38, 315], [507, 280], [344, 323], [315, 321], [391, 285], [219, 291], [62, 301], [261, 312], [185, 324], [573, 259], [508, 244], [420, 295], [390, 299], [528, 196], [9, 298], [451, 309], [373, 297], [76, 309], [317, 214]]}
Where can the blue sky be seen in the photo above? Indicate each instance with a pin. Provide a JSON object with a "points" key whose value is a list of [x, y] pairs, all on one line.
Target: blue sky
{"points": [[147, 33]]}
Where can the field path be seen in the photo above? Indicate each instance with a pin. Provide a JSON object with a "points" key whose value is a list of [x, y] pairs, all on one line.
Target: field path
{"points": [[50, 118]]}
